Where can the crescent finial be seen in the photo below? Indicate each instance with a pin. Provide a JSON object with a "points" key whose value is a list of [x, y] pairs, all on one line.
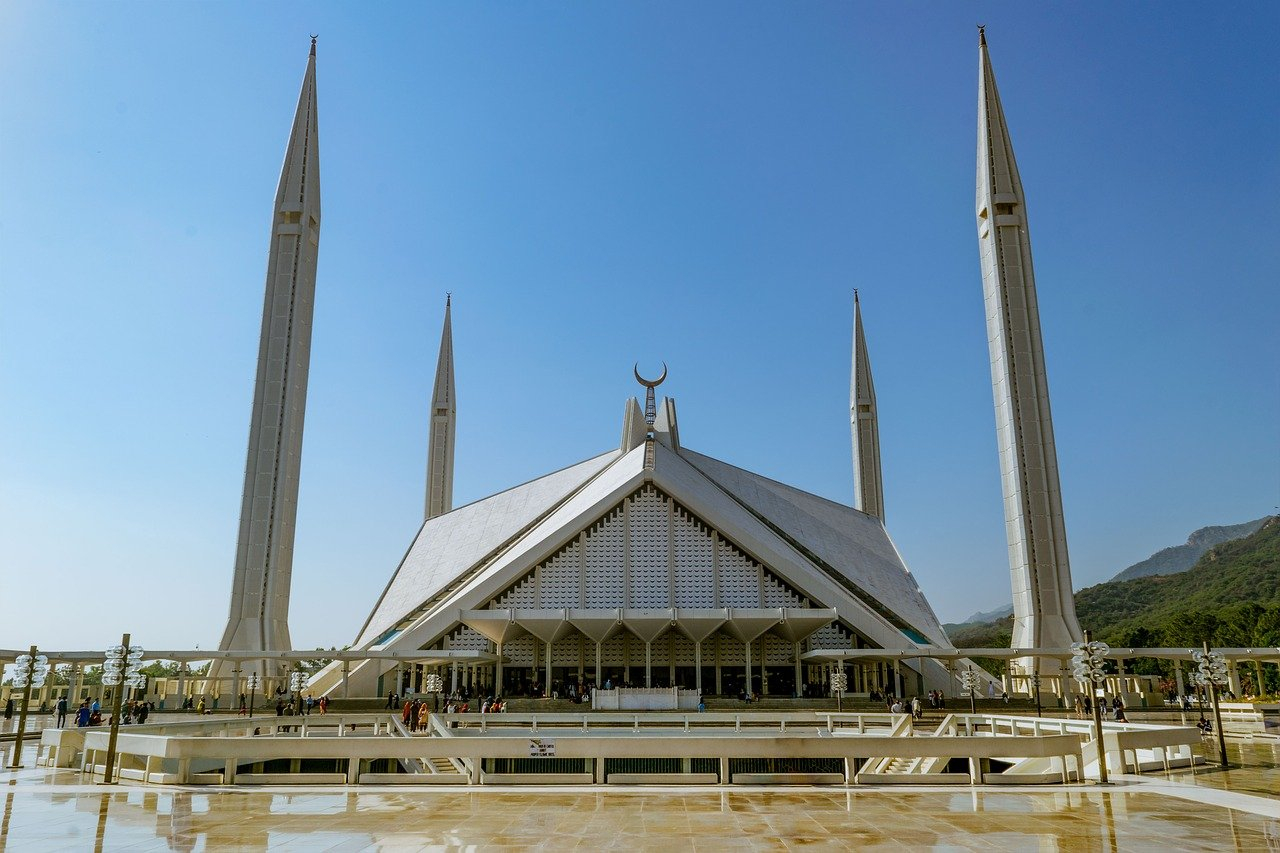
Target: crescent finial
{"points": [[650, 383]]}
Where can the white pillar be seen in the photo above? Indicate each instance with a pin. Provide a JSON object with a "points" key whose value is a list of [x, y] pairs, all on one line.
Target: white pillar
{"points": [[547, 689], [346, 672], [1233, 678], [497, 677], [648, 664], [1177, 675], [599, 670], [697, 666]]}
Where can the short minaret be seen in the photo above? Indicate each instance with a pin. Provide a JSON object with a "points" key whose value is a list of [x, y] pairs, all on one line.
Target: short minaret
{"points": [[443, 415], [259, 616], [868, 488], [1043, 601]]}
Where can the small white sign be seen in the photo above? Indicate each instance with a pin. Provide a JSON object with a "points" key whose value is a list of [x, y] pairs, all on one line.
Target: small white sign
{"points": [[542, 748]]}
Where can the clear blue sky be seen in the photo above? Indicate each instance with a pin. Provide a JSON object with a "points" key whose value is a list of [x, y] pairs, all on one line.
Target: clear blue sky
{"points": [[601, 183]]}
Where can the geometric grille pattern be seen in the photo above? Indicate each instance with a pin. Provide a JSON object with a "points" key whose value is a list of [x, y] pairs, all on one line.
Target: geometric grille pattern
{"points": [[558, 579], [639, 554]]}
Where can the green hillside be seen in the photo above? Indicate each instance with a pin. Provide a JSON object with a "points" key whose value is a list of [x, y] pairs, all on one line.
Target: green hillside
{"points": [[1230, 597]]}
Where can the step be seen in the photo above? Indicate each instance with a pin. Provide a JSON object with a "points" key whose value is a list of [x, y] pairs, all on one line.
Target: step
{"points": [[913, 779], [663, 779], [291, 778], [537, 778], [788, 778], [413, 779]]}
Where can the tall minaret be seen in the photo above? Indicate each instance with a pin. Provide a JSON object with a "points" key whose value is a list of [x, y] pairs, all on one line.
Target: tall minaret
{"points": [[264, 551], [1043, 603], [444, 410], [868, 488]]}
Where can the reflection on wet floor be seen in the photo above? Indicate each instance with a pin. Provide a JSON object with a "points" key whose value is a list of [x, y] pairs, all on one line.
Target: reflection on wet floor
{"points": [[80, 818], [46, 810]]}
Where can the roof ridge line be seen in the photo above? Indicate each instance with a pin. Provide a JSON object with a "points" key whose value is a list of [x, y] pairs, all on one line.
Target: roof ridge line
{"points": [[506, 545], [896, 621]]}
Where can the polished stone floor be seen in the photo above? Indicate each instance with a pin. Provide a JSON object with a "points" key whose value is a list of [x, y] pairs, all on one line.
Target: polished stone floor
{"points": [[44, 810], [73, 818]]}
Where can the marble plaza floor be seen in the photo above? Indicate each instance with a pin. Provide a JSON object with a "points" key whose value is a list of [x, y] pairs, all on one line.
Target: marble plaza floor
{"points": [[45, 810]]}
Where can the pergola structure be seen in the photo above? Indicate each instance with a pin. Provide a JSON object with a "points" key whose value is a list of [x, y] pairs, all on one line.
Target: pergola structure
{"points": [[458, 662]]}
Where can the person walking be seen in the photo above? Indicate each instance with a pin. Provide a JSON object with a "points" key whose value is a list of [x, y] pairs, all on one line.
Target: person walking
{"points": [[62, 712]]}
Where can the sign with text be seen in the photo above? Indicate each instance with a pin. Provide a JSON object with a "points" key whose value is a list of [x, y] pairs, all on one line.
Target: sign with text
{"points": [[542, 748]]}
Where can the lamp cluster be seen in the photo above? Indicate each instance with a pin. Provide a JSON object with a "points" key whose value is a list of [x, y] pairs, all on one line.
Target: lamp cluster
{"points": [[1211, 668], [969, 682], [1088, 661], [297, 681], [123, 664], [435, 684], [32, 670]]}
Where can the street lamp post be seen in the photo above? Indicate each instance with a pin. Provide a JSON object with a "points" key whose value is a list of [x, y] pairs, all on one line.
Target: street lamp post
{"points": [[120, 670], [297, 681], [1087, 662], [254, 681], [434, 685], [31, 672], [969, 683], [1212, 674], [839, 683]]}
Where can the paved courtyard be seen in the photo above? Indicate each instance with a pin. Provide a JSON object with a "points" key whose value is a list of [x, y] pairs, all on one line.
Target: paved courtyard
{"points": [[43, 810]]}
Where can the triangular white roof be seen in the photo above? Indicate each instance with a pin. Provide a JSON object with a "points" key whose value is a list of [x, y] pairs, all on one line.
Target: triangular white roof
{"points": [[465, 558], [853, 542], [449, 545]]}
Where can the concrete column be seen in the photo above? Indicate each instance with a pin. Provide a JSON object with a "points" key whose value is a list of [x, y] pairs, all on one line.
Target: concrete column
{"points": [[346, 673], [1233, 678], [764, 670], [78, 679], [547, 687], [799, 688], [1258, 691], [1177, 676], [182, 684], [453, 678], [747, 669], [897, 679], [697, 667], [497, 673]]}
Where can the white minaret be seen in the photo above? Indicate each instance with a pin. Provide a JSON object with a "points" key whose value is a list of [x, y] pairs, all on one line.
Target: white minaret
{"points": [[868, 488], [1043, 602], [259, 616], [444, 410]]}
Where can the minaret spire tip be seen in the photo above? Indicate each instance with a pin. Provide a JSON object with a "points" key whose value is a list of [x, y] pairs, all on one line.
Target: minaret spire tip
{"points": [[448, 298], [314, 36], [982, 34]]}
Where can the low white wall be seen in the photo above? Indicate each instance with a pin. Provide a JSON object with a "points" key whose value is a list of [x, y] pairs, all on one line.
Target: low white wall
{"points": [[645, 699]]}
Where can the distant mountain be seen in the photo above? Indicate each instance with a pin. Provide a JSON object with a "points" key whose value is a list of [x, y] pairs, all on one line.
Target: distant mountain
{"points": [[1168, 561], [1179, 558], [1244, 571], [990, 615], [1230, 597]]}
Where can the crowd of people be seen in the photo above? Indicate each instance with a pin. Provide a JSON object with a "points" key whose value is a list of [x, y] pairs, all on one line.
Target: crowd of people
{"points": [[416, 711], [1084, 707]]}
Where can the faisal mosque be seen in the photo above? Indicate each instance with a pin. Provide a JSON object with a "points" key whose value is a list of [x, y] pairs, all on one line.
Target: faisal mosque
{"points": [[647, 563]]}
